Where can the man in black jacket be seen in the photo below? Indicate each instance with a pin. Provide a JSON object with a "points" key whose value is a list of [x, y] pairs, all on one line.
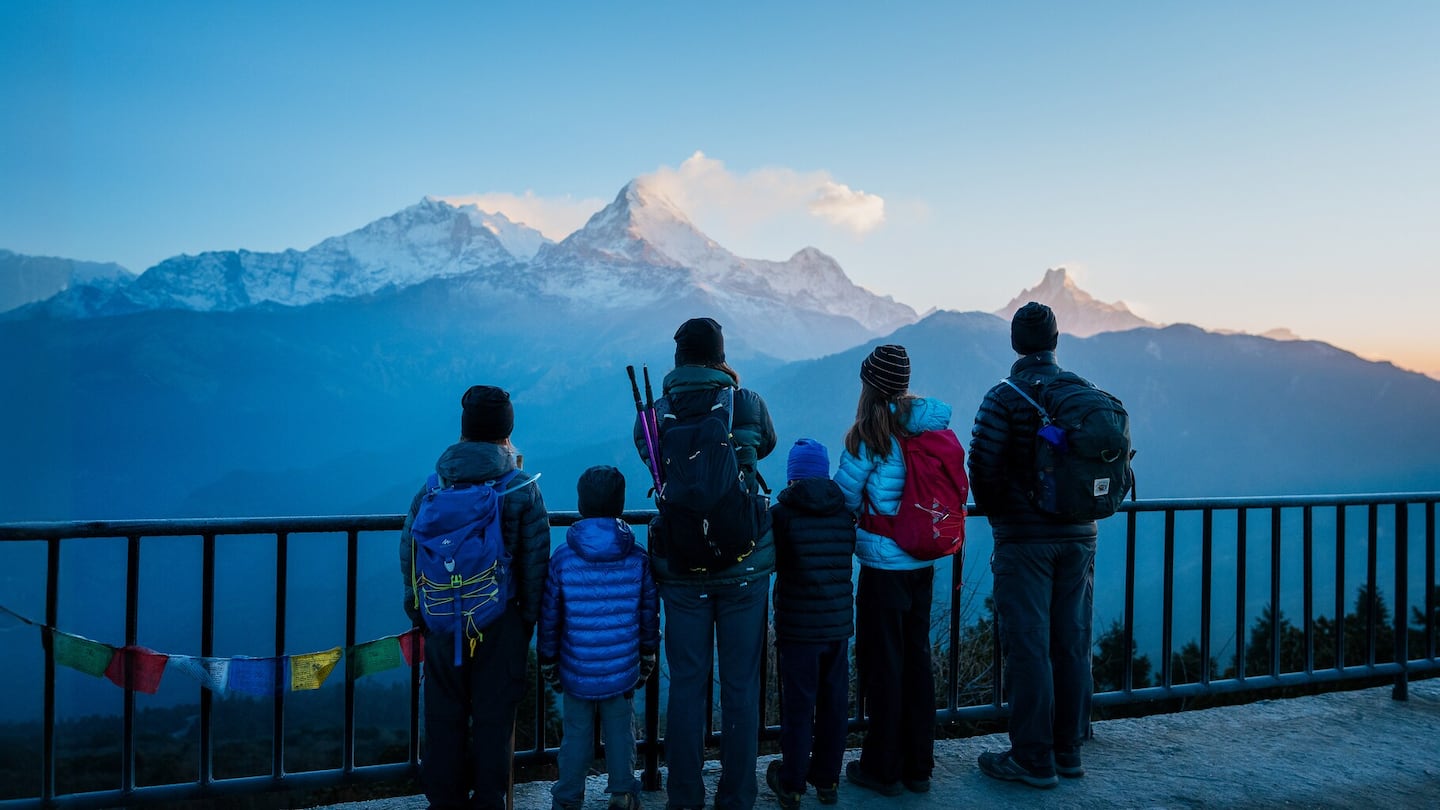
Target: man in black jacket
{"points": [[1044, 570]]}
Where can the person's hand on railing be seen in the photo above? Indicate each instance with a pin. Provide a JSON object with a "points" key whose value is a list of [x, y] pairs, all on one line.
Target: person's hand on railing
{"points": [[551, 673], [647, 667]]}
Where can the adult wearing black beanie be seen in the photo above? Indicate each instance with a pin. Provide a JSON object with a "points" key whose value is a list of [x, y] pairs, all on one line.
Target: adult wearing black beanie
{"points": [[1043, 570], [723, 600]]}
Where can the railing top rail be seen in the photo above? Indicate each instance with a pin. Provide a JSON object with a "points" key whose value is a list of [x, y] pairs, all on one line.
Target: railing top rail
{"points": [[1281, 501], [45, 530]]}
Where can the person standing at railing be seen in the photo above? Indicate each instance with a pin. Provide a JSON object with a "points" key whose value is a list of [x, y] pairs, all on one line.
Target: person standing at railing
{"points": [[722, 604], [470, 706], [814, 619], [599, 637], [1044, 573], [894, 594]]}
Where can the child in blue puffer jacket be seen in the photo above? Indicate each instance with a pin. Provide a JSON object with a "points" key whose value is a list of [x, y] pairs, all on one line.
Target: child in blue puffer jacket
{"points": [[599, 634]]}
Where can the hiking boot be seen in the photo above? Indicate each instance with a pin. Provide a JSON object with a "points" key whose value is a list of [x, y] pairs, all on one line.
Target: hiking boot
{"points": [[1003, 766], [827, 794], [917, 785], [624, 801], [1068, 765], [857, 776], [789, 799]]}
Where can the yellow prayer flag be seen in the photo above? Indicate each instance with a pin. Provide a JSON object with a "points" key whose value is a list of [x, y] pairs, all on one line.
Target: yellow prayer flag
{"points": [[310, 670]]}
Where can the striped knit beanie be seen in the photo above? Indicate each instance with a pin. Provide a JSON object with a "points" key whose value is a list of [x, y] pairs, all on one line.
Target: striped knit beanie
{"points": [[887, 370]]}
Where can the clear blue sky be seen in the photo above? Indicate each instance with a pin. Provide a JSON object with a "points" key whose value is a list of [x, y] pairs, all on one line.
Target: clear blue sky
{"points": [[1236, 165]]}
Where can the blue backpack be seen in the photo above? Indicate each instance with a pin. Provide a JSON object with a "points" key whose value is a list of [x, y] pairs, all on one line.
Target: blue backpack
{"points": [[461, 568]]}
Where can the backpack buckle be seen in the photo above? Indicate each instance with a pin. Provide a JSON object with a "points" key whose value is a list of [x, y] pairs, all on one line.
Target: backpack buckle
{"points": [[456, 580]]}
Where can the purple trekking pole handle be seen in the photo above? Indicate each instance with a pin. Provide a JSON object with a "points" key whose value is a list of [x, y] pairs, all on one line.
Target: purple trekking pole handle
{"points": [[645, 426], [654, 429]]}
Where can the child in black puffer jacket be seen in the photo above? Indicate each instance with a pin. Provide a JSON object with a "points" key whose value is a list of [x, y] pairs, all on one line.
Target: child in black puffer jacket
{"points": [[814, 619]]}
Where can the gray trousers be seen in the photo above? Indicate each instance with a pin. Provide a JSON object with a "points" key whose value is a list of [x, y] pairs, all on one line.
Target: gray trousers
{"points": [[1044, 593]]}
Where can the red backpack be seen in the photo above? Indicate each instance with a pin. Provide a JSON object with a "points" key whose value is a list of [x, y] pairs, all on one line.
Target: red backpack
{"points": [[931, 520]]}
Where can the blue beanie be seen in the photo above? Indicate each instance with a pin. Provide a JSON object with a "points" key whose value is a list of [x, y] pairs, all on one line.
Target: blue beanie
{"points": [[808, 459]]}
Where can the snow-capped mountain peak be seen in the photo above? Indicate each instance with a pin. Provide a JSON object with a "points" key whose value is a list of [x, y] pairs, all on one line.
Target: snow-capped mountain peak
{"points": [[1077, 312]]}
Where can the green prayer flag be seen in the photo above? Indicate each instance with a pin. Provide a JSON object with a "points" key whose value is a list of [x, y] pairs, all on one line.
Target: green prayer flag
{"points": [[375, 656], [89, 657]]}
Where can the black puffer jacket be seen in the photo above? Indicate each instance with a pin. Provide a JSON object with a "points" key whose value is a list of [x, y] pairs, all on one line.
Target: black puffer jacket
{"points": [[1002, 459], [814, 555], [524, 524]]}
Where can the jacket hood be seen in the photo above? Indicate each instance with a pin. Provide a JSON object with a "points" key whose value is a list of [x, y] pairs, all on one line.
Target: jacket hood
{"points": [[819, 496], [474, 462], [695, 378], [600, 539], [927, 414]]}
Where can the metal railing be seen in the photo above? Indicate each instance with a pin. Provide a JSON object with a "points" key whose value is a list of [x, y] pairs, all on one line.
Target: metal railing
{"points": [[1399, 507]]}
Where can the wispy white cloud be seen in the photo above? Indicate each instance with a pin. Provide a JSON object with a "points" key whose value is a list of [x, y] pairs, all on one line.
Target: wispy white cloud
{"points": [[765, 212], [711, 193]]}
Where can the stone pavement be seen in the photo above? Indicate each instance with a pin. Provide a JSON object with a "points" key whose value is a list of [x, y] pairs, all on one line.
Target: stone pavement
{"points": [[1339, 750]]}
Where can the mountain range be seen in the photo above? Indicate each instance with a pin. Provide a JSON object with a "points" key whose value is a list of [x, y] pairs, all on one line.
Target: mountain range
{"points": [[325, 380], [638, 252]]}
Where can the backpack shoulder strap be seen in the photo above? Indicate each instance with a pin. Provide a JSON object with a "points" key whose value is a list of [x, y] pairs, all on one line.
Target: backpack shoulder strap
{"points": [[726, 399], [1044, 417], [503, 486]]}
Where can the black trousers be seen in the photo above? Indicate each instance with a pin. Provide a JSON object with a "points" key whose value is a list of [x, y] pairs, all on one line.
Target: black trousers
{"points": [[470, 716], [892, 654]]}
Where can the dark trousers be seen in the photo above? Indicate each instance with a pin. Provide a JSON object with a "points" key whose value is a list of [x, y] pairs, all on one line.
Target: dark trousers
{"points": [[470, 716], [698, 618], [892, 652], [814, 708], [1043, 596]]}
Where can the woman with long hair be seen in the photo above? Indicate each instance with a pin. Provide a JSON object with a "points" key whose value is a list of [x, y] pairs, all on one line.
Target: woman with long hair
{"points": [[894, 594]]}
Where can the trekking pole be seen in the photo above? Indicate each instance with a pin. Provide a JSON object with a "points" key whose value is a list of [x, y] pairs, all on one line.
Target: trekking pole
{"points": [[654, 427], [645, 426]]}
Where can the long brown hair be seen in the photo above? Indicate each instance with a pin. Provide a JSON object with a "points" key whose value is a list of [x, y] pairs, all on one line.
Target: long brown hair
{"points": [[876, 423], [720, 366]]}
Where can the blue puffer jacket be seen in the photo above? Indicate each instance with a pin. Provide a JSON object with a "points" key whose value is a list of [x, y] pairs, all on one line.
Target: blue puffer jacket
{"points": [[883, 481], [600, 611]]}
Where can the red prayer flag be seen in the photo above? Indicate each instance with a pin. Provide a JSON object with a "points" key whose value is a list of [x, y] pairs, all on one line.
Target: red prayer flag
{"points": [[412, 646], [145, 669]]}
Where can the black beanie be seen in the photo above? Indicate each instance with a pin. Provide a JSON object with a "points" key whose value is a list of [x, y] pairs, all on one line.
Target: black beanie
{"points": [[1033, 329], [602, 492], [698, 342], [486, 414], [887, 370]]}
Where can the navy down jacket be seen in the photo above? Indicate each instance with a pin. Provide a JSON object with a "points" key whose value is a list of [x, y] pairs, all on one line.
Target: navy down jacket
{"points": [[814, 561], [600, 611]]}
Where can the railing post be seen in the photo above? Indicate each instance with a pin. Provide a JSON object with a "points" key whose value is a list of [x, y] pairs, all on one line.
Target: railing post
{"points": [[1207, 556], [282, 568], [1340, 588], [52, 618], [1308, 588], [352, 579], [1242, 529], [1127, 673], [1371, 620], [1402, 599], [207, 649], [1167, 627], [127, 663], [650, 778], [1275, 625]]}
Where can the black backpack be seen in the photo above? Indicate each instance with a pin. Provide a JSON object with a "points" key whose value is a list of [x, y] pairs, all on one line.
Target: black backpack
{"points": [[709, 519], [1082, 449]]}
